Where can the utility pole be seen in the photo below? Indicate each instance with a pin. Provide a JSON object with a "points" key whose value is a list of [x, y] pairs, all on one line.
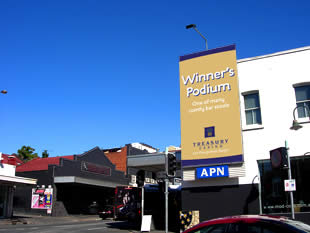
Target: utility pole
{"points": [[290, 177], [142, 201], [166, 191], [171, 165]]}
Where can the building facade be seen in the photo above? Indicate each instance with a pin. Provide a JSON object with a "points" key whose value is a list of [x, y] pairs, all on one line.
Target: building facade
{"points": [[81, 184], [78, 184], [9, 182], [274, 89]]}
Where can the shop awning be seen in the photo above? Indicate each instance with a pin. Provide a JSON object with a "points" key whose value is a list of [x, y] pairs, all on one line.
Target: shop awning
{"points": [[147, 162], [81, 180], [16, 180]]}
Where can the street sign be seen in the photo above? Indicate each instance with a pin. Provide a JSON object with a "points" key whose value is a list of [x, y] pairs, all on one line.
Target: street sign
{"points": [[146, 223], [289, 185]]}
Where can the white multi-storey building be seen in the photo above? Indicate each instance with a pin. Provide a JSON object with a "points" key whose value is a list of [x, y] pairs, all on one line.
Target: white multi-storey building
{"points": [[271, 87]]}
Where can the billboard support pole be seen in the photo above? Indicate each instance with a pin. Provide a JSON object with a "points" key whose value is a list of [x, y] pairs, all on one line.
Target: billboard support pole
{"points": [[195, 28]]}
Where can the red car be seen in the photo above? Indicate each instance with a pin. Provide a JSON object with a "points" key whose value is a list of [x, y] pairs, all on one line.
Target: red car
{"points": [[250, 224]]}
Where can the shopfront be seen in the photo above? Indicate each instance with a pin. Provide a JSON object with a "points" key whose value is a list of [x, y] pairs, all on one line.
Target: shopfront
{"points": [[79, 184], [8, 183], [5, 191], [274, 198]]}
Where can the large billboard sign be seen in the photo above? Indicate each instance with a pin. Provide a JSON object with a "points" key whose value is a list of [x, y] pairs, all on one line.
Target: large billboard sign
{"points": [[210, 109]]}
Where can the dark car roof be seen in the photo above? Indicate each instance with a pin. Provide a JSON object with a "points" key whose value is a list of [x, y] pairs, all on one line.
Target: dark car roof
{"points": [[232, 219]]}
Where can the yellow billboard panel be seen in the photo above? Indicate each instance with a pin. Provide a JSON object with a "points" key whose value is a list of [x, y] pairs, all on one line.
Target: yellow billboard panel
{"points": [[210, 110]]}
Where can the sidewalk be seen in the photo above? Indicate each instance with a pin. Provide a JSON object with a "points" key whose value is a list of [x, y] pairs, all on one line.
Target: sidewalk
{"points": [[49, 220], [46, 220]]}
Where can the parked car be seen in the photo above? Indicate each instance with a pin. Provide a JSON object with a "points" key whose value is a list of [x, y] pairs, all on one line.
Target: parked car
{"points": [[250, 224], [107, 212]]}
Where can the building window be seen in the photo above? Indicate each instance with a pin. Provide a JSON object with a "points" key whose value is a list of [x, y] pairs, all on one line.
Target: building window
{"points": [[252, 109], [303, 100]]}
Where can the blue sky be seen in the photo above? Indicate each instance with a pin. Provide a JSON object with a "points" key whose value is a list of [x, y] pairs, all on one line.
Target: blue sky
{"points": [[81, 74]]}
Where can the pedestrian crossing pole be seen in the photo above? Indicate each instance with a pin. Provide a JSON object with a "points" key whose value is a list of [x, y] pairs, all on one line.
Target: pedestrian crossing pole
{"points": [[290, 177]]}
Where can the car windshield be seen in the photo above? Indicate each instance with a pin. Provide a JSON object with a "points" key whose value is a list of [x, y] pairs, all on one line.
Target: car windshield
{"points": [[299, 225]]}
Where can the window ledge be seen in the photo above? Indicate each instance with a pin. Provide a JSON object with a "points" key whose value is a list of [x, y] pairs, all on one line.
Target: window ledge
{"points": [[304, 120], [252, 127]]}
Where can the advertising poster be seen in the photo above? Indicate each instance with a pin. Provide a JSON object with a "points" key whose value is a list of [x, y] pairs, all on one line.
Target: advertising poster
{"points": [[48, 201], [35, 201], [41, 198], [188, 219], [210, 110]]}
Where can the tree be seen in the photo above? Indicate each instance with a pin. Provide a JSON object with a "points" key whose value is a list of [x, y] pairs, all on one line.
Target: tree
{"points": [[45, 154], [26, 153]]}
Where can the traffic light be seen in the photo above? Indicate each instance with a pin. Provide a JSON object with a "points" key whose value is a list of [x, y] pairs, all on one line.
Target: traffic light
{"points": [[140, 178], [171, 165], [278, 158]]}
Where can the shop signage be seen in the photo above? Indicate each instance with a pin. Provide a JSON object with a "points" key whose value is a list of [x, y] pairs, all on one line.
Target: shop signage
{"points": [[94, 168], [210, 110], [289, 185], [212, 172]]}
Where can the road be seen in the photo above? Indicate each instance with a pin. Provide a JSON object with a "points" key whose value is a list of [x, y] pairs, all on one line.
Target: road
{"points": [[89, 227]]}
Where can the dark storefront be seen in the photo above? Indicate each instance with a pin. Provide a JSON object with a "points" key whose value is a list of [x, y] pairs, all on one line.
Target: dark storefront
{"points": [[81, 185], [219, 201], [275, 200], [84, 199]]}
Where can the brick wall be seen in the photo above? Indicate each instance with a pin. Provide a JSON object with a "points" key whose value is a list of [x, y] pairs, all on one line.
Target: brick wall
{"points": [[119, 159]]}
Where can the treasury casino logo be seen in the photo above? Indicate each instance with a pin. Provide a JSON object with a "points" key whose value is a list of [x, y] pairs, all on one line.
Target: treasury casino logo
{"points": [[209, 143], [210, 132]]}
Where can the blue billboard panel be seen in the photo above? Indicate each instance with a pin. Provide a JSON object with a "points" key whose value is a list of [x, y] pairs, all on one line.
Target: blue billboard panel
{"points": [[212, 172]]}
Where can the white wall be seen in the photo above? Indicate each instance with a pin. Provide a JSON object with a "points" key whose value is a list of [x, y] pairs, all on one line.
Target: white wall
{"points": [[7, 170], [273, 76], [143, 147]]}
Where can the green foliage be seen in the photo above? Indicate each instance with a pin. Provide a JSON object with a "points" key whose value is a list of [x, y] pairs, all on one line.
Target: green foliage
{"points": [[45, 154], [26, 153]]}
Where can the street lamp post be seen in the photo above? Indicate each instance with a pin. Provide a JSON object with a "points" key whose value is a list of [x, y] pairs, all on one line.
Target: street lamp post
{"points": [[296, 125], [195, 28]]}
